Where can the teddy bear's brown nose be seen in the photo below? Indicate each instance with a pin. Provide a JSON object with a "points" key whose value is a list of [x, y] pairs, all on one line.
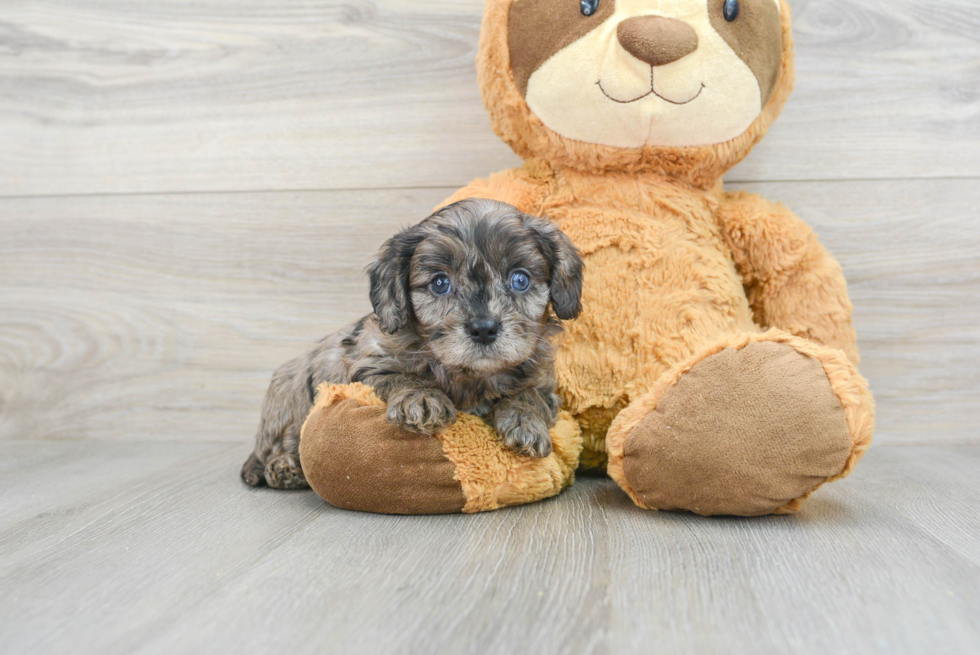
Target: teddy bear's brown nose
{"points": [[657, 40]]}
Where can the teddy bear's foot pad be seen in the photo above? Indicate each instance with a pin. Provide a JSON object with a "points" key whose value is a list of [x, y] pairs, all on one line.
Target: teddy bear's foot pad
{"points": [[744, 432], [380, 469]]}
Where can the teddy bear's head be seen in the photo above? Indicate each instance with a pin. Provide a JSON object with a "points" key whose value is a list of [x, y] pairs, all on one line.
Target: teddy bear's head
{"points": [[678, 87]]}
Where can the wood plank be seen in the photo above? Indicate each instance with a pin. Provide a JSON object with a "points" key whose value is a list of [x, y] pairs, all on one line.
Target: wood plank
{"points": [[162, 317], [109, 96], [851, 573], [126, 552], [941, 503], [42, 481], [186, 558], [884, 89]]}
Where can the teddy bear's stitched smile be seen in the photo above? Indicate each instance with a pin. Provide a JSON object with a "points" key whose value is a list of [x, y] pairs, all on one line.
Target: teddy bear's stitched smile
{"points": [[652, 91], [647, 94]]}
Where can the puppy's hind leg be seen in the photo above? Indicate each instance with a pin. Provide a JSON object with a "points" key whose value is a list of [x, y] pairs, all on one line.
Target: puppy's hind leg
{"points": [[278, 441], [283, 471], [253, 472], [275, 461]]}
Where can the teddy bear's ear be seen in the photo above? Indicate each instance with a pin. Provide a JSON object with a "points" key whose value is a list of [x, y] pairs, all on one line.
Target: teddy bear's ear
{"points": [[566, 266], [389, 279]]}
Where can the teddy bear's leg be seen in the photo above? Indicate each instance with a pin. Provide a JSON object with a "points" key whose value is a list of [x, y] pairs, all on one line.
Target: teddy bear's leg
{"points": [[751, 425], [355, 459]]}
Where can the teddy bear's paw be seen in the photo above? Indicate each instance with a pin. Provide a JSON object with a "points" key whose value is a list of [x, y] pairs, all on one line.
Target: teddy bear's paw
{"points": [[744, 431], [425, 411], [283, 471]]}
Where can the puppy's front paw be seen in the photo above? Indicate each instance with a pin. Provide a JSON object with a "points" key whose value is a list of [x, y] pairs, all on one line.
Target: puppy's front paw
{"points": [[421, 410], [525, 433]]}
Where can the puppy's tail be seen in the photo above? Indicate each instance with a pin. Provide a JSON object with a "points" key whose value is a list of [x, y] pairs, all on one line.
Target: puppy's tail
{"points": [[253, 472]]}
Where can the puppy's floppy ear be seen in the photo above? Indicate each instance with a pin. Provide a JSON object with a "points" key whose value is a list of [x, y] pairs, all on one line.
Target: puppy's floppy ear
{"points": [[389, 279], [566, 266]]}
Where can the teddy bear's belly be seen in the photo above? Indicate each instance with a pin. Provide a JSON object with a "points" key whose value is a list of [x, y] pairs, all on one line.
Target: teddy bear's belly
{"points": [[659, 286]]}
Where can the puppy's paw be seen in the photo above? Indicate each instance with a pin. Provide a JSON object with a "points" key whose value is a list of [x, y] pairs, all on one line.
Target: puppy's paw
{"points": [[524, 433], [284, 472], [421, 410]]}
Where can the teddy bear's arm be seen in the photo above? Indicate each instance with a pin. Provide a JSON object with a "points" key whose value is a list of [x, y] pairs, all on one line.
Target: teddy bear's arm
{"points": [[515, 186], [792, 282]]}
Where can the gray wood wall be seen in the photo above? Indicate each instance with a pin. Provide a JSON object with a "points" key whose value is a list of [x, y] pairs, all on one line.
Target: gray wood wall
{"points": [[189, 190]]}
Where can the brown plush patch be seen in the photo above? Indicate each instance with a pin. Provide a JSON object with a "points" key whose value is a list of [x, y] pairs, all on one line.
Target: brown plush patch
{"points": [[744, 432], [657, 40], [354, 459], [755, 36], [538, 29]]}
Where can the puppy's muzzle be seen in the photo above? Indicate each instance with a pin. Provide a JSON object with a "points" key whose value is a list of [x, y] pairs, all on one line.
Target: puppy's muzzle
{"points": [[483, 330]]}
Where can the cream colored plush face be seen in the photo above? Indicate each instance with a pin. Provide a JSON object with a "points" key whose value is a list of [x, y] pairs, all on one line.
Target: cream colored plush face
{"points": [[594, 90]]}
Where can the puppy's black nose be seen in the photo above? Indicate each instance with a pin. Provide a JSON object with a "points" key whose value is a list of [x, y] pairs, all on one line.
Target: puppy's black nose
{"points": [[483, 330]]}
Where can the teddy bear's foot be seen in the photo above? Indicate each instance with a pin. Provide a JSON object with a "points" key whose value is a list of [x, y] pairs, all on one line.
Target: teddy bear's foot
{"points": [[751, 426], [355, 459]]}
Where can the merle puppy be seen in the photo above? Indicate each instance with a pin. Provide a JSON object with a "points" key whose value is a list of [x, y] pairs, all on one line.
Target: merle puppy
{"points": [[461, 322]]}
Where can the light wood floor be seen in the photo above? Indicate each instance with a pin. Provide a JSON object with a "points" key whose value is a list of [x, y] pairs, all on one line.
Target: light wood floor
{"points": [[121, 547], [189, 191]]}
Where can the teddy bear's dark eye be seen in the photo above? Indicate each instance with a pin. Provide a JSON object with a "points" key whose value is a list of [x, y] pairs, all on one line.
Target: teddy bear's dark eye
{"points": [[440, 285], [730, 11], [588, 7], [520, 281]]}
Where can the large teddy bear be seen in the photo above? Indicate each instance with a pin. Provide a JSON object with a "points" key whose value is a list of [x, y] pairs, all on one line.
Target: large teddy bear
{"points": [[713, 367]]}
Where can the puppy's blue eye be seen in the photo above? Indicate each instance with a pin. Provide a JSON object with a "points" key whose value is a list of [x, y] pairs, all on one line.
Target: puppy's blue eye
{"points": [[520, 281], [730, 10], [588, 7], [440, 285]]}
